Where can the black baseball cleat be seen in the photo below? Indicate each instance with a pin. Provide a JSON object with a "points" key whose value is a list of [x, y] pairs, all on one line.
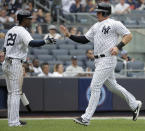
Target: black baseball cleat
{"points": [[81, 121], [136, 111], [22, 123]]}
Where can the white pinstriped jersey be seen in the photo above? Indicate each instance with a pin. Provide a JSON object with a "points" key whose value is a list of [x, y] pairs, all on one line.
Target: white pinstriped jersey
{"points": [[16, 42], [105, 35]]}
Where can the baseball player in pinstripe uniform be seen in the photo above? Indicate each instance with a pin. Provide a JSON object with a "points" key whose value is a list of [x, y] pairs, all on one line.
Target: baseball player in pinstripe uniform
{"points": [[15, 49], [104, 34]]}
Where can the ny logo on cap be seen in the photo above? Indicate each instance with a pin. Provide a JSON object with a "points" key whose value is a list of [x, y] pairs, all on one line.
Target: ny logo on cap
{"points": [[106, 29]]}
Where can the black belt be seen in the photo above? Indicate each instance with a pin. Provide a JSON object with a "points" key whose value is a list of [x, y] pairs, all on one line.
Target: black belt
{"points": [[10, 58], [99, 56]]}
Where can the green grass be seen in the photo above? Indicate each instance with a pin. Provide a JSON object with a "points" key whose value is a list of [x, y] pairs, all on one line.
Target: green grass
{"points": [[69, 125]]}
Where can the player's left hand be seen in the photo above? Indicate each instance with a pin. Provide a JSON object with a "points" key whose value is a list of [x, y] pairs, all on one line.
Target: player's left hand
{"points": [[49, 40], [114, 51], [64, 30]]}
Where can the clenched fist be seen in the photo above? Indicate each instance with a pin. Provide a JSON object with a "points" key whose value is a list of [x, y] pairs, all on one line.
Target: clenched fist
{"points": [[114, 51]]}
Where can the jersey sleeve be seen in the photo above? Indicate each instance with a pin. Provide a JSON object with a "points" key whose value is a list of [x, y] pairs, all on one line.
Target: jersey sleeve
{"points": [[25, 36], [90, 34], [121, 29]]}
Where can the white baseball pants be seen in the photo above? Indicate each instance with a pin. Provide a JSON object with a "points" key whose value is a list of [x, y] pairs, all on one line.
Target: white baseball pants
{"points": [[14, 78], [104, 74]]}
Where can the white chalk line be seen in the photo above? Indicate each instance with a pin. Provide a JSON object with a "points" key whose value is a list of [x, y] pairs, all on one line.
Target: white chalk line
{"points": [[71, 118]]}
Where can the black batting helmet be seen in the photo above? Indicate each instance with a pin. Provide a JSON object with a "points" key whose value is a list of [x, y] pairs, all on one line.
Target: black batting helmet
{"points": [[23, 14], [105, 8]]}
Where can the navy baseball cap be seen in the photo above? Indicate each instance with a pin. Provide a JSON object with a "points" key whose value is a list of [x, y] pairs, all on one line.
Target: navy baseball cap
{"points": [[24, 14], [74, 57], [103, 7]]}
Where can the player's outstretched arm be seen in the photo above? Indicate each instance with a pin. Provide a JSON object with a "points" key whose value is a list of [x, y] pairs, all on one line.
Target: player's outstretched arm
{"points": [[38, 43], [79, 39]]}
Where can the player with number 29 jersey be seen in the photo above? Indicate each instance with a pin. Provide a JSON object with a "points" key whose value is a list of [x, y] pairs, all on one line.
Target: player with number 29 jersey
{"points": [[15, 50], [16, 42]]}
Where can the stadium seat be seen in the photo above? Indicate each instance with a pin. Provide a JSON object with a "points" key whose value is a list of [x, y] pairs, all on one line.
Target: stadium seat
{"points": [[30, 51], [136, 65], [45, 57], [81, 57], [77, 52], [37, 36], [68, 41], [50, 47], [63, 57], [41, 61], [84, 47], [60, 42], [66, 46], [40, 51], [55, 62], [59, 52]]}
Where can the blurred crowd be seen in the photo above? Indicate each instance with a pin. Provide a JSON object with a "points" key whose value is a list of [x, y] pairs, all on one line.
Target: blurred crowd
{"points": [[34, 68], [118, 6], [42, 18]]}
